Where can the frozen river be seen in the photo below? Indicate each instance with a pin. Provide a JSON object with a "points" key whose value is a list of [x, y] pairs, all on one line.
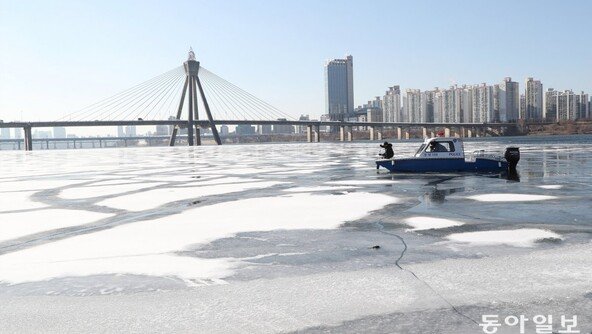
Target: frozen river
{"points": [[282, 238]]}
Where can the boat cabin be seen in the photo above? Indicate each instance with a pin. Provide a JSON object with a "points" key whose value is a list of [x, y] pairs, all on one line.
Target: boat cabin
{"points": [[441, 148]]}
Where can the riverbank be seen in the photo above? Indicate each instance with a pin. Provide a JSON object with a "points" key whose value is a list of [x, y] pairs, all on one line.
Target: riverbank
{"points": [[561, 128]]}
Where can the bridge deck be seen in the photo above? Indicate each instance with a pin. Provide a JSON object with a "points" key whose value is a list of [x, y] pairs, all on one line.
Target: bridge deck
{"points": [[203, 123]]}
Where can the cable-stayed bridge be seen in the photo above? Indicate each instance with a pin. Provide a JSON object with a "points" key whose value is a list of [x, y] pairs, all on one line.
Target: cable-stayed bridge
{"points": [[192, 97]]}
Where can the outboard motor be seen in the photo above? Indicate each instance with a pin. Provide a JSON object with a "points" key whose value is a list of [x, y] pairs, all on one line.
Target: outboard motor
{"points": [[512, 156]]}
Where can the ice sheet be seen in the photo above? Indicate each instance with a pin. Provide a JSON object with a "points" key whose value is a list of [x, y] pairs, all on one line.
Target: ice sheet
{"points": [[20, 200], [329, 278], [520, 238], [113, 250], [15, 225], [426, 223]]}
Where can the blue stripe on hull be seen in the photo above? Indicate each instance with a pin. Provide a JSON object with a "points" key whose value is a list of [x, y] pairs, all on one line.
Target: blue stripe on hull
{"points": [[443, 165]]}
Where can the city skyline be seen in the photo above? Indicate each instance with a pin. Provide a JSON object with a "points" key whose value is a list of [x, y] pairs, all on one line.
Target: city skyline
{"points": [[62, 56]]}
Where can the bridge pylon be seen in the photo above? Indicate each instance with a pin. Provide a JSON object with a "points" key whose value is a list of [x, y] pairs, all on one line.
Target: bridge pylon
{"points": [[190, 90]]}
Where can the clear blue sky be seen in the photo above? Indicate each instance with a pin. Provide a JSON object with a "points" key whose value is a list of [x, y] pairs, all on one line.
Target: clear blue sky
{"points": [[59, 56]]}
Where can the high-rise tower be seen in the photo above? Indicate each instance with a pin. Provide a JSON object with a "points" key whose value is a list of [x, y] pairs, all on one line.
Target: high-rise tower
{"points": [[534, 99], [339, 88]]}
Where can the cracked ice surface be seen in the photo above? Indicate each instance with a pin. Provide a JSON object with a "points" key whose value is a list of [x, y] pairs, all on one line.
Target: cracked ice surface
{"points": [[279, 238]]}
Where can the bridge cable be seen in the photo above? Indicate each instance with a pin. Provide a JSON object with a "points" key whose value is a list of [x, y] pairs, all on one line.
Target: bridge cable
{"points": [[249, 104], [114, 106], [106, 100], [262, 104], [173, 97], [119, 96], [256, 100], [162, 95], [143, 100], [236, 93], [236, 105], [216, 101]]}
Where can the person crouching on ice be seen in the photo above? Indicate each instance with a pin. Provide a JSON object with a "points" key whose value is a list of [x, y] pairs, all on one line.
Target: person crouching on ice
{"points": [[388, 150]]}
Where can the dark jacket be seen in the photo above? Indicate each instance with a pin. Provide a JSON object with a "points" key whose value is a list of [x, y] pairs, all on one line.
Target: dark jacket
{"points": [[388, 150]]}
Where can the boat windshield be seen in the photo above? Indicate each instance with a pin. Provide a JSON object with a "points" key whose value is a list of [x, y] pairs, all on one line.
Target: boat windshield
{"points": [[420, 150]]}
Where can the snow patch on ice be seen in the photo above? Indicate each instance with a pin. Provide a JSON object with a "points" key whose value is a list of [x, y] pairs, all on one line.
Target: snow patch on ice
{"points": [[551, 186], [510, 197], [16, 225], [153, 198], [29, 185], [20, 200], [148, 247], [525, 237], [427, 223]]}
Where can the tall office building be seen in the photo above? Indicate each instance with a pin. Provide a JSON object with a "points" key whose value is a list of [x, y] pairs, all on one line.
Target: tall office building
{"points": [[121, 132], [302, 128], [244, 130], [339, 88], [283, 129], [468, 105], [534, 99], [17, 133], [264, 129], [448, 106], [508, 100], [550, 110], [411, 105], [224, 130], [130, 131], [162, 130], [374, 115], [567, 106], [426, 114], [463, 104], [582, 106], [4, 132], [438, 105], [482, 101], [392, 105], [59, 132], [522, 110], [496, 102]]}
